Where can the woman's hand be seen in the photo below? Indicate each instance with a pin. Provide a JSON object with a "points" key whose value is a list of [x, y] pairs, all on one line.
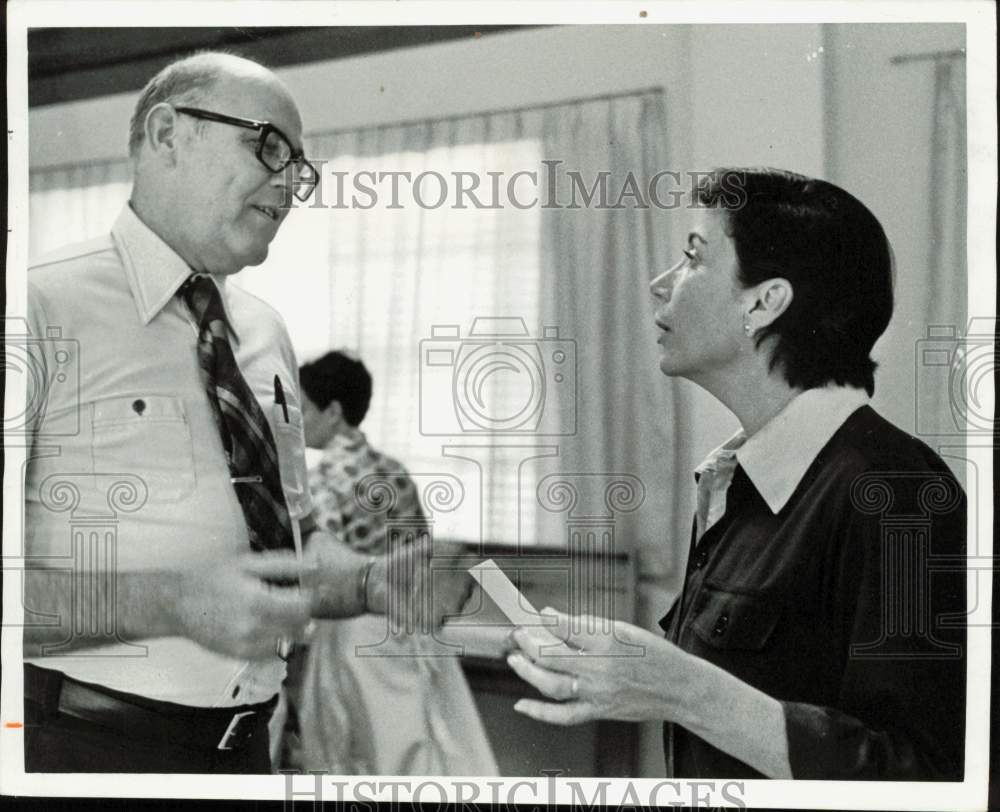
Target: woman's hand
{"points": [[600, 669]]}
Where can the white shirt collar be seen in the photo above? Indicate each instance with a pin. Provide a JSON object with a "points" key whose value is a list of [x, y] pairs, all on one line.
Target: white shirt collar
{"points": [[154, 270], [778, 455]]}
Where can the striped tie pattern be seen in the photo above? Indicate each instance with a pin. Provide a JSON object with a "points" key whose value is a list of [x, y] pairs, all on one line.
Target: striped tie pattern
{"points": [[246, 436]]}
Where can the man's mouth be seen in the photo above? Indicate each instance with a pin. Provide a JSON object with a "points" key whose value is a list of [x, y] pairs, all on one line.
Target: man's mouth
{"points": [[271, 212], [662, 326]]}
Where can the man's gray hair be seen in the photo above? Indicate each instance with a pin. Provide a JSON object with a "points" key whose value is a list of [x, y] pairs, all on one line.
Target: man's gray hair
{"points": [[186, 81]]}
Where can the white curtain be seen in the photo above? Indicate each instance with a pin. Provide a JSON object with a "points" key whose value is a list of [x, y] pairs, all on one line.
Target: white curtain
{"points": [[73, 203], [929, 395], [598, 264], [945, 298], [947, 198]]}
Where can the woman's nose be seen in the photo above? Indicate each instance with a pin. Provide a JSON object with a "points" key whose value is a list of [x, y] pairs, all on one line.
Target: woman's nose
{"points": [[657, 286], [662, 285]]}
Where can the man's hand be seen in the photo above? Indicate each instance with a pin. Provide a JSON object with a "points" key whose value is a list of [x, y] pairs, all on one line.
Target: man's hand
{"points": [[417, 586], [235, 612], [222, 603], [401, 584]]}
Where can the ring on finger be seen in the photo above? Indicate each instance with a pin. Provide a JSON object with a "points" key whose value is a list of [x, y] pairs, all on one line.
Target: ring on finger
{"points": [[574, 688]]}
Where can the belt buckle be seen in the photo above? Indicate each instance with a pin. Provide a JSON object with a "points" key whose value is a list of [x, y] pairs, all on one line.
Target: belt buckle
{"points": [[234, 724]]}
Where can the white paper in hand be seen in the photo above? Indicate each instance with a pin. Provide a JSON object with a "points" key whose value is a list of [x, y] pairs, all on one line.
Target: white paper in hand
{"points": [[512, 603]]}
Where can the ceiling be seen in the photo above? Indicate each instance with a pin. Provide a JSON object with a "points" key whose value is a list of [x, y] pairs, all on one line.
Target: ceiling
{"points": [[66, 64]]}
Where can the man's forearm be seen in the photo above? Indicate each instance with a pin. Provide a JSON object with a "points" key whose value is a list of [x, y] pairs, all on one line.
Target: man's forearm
{"points": [[74, 611]]}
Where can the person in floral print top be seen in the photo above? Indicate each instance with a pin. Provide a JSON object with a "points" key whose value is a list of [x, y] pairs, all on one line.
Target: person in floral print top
{"points": [[396, 711], [348, 461]]}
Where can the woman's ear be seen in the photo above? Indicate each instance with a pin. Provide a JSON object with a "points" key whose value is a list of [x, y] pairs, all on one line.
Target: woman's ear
{"points": [[772, 298]]}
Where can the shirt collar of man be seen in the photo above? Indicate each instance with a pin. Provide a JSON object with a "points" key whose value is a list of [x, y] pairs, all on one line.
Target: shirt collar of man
{"points": [[776, 458], [154, 270]]}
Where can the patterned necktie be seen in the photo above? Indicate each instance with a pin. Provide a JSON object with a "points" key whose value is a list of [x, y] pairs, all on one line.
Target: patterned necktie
{"points": [[246, 435]]}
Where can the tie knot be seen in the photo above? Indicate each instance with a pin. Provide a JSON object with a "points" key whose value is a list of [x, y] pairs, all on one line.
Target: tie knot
{"points": [[203, 299]]}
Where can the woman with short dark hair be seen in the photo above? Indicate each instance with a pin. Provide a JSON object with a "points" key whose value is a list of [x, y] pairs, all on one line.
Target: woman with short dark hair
{"points": [[812, 636]]}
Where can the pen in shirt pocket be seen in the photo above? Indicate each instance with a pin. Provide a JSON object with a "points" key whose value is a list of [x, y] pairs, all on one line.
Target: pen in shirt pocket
{"points": [[286, 470], [279, 397]]}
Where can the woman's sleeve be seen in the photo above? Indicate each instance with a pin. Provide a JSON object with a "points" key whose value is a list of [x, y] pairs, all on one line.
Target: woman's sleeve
{"points": [[901, 710]]}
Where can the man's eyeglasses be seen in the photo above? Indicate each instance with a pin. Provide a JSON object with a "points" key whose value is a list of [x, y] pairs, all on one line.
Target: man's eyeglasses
{"points": [[273, 149]]}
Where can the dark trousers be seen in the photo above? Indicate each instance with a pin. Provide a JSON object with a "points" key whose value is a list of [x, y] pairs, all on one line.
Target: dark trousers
{"points": [[139, 735]]}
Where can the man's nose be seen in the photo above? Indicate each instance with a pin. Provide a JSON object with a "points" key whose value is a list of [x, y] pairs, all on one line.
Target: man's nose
{"points": [[285, 181]]}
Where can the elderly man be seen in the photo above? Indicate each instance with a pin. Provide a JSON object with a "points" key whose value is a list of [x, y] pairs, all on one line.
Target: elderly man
{"points": [[158, 645]]}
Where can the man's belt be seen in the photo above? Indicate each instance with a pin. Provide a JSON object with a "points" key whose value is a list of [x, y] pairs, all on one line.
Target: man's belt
{"points": [[146, 719]]}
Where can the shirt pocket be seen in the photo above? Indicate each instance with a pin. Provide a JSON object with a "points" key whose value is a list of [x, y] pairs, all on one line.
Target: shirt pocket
{"points": [[290, 441], [735, 620], [148, 436]]}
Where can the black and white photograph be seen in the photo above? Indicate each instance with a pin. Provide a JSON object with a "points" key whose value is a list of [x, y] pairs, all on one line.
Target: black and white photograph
{"points": [[509, 404]]}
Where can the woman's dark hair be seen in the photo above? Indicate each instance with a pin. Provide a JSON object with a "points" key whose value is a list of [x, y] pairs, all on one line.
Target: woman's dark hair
{"points": [[836, 256], [338, 377]]}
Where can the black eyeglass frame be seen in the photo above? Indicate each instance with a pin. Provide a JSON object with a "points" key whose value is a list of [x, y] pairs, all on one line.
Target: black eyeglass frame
{"points": [[265, 128]]}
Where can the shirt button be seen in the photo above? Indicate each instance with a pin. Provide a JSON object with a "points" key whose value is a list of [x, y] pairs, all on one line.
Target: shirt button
{"points": [[139, 406], [721, 625]]}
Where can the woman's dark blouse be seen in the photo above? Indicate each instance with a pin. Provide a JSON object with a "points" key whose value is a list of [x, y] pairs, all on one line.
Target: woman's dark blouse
{"points": [[847, 606]]}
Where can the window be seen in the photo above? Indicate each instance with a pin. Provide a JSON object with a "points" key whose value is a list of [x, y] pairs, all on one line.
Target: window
{"points": [[404, 283]]}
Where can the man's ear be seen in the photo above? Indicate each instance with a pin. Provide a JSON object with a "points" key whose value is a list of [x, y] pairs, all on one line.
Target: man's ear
{"points": [[771, 298], [161, 131]]}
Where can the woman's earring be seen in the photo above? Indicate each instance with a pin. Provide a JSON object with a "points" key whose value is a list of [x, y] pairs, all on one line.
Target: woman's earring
{"points": [[746, 327]]}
